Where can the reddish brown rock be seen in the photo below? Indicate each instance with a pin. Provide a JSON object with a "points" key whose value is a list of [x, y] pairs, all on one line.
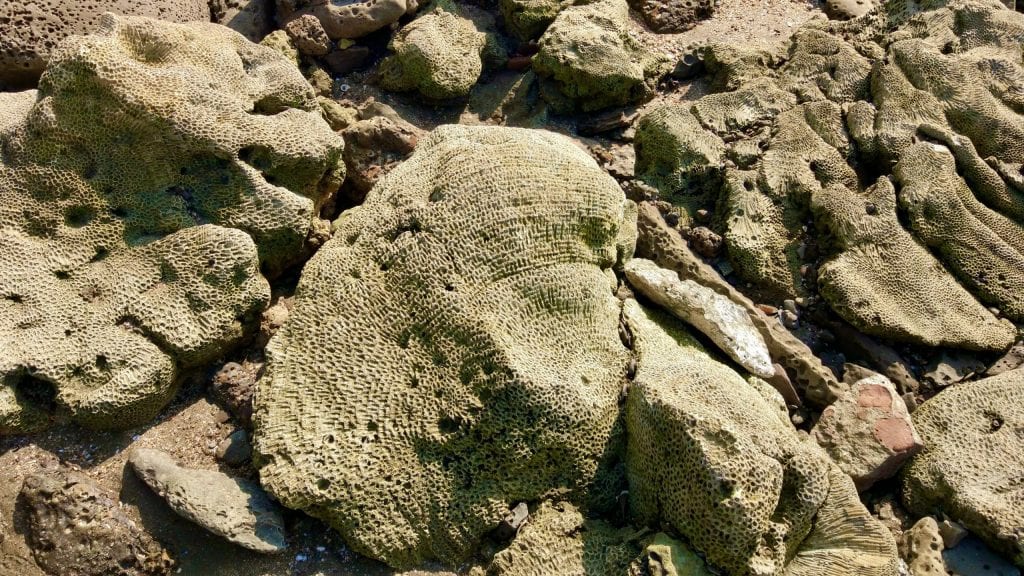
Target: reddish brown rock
{"points": [[868, 431], [308, 35]]}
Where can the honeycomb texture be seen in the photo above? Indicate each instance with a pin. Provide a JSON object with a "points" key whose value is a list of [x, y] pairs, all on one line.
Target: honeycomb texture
{"points": [[970, 468], [714, 457], [30, 31], [558, 540], [591, 61], [925, 94], [438, 54], [135, 190], [527, 19], [673, 150], [454, 348]]}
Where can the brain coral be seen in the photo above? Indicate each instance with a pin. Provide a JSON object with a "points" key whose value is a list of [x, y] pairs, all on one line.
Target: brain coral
{"points": [[590, 61], [925, 95], [30, 31], [159, 167], [716, 458], [971, 466], [438, 54], [454, 348]]}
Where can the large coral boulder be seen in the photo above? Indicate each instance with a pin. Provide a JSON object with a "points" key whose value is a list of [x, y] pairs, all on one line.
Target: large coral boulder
{"points": [[30, 31], [589, 60], [716, 458], [157, 171], [971, 466], [454, 349]]}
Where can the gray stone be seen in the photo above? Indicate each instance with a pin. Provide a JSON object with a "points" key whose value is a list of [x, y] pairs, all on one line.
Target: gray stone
{"points": [[235, 450], [973, 558], [347, 18], [250, 18], [952, 367], [236, 509]]}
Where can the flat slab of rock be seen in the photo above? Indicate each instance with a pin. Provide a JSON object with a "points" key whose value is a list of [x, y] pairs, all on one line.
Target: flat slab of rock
{"points": [[236, 509], [76, 527], [718, 317], [868, 431]]}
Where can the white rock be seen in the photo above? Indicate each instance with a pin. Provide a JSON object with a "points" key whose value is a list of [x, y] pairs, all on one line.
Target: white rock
{"points": [[717, 317]]}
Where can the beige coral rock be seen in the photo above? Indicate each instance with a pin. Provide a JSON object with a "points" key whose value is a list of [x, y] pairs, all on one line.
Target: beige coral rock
{"points": [[439, 55], [30, 31], [663, 245], [251, 18], [868, 431], [158, 170], [559, 540], [454, 348], [970, 468], [590, 61], [924, 549], [716, 458], [720, 319]]}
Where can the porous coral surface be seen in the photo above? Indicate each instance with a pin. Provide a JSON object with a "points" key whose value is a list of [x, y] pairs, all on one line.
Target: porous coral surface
{"points": [[454, 348], [158, 169]]}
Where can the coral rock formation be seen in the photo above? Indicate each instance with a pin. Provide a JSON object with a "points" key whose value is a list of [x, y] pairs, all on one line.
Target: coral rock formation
{"points": [[454, 348], [159, 169]]}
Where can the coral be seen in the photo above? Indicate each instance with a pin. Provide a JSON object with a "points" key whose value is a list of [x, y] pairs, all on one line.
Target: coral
{"points": [[558, 540], [527, 19], [440, 54], [717, 459], [160, 168], [591, 62], [674, 152], [925, 95], [454, 348], [970, 468], [30, 31]]}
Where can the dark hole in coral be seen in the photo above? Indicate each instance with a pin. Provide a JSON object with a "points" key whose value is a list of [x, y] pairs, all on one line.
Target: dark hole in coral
{"points": [[101, 362], [78, 216], [62, 274], [448, 425], [323, 484], [119, 212], [100, 254], [36, 391], [372, 426], [748, 185], [16, 298]]}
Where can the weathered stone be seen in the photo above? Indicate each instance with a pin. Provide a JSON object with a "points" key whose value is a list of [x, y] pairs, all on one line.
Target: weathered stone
{"points": [[924, 548], [868, 431], [719, 318], [235, 450], [236, 509], [308, 35]]}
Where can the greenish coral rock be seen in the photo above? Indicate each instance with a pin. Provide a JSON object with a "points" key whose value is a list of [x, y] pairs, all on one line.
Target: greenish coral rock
{"points": [[527, 19], [714, 457], [590, 61], [970, 468], [676, 154], [158, 169], [557, 539], [809, 133], [440, 54], [454, 348]]}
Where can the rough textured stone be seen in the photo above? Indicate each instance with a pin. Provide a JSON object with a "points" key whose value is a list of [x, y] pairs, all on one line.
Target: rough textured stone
{"points": [[847, 9], [440, 54], [235, 450], [454, 348], [663, 245], [924, 549], [347, 18], [970, 468], [717, 459], [308, 35], [122, 263], [374, 146], [674, 15], [76, 527], [527, 19], [235, 509], [30, 31], [720, 319], [868, 431], [590, 61], [250, 18]]}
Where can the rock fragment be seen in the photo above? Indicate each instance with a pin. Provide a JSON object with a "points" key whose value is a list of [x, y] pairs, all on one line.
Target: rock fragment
{"points": [[308, 35], [720, 319], [76, 527], [924, 548], [868, 431], [236, 509]]}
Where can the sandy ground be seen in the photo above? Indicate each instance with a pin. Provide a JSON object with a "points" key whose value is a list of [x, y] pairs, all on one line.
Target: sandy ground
{"points": [[192, 426]]}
